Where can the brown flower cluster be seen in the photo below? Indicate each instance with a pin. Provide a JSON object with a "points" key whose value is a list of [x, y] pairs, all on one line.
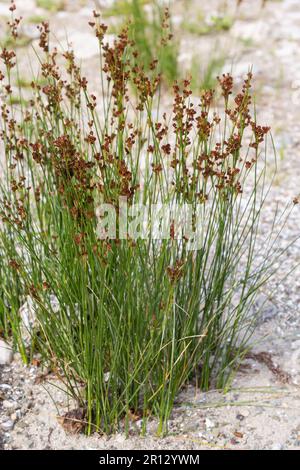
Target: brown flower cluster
{"points": [[85, 162], [175, 272]]}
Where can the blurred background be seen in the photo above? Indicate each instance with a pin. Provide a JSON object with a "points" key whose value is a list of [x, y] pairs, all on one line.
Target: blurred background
{"points": [[208, 39]]}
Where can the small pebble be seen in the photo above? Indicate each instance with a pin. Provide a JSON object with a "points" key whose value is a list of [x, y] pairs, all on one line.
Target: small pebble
{"points": [[5, 386], [209, 424], [7, 425], [8, 404], [240, 417], [6, 353]]}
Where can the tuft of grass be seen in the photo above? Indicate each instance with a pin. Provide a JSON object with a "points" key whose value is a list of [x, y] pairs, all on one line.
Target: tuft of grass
{"points": [[122, 8], [204, 78], [36, 19], [152, 35], [21, 41], [51, 5], [222, 23], [18, 100], [135, 317], [23, 82], [215, 25], [247, 42]]}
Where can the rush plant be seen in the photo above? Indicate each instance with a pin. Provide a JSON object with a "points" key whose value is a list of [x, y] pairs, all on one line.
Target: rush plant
{"points": [[152, 34], [135, 319]]}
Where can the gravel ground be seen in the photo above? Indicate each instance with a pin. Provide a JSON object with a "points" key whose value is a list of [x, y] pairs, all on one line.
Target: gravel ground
{"points": [[262, 410]]}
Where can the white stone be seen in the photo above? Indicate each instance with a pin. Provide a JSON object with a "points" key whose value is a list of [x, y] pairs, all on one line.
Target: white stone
{"points": [[85, 45], [8, 404], [6, 353], [7, 425], [54, 302], [5, 386], [106, 376], [209, 424], [28, 318]]}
